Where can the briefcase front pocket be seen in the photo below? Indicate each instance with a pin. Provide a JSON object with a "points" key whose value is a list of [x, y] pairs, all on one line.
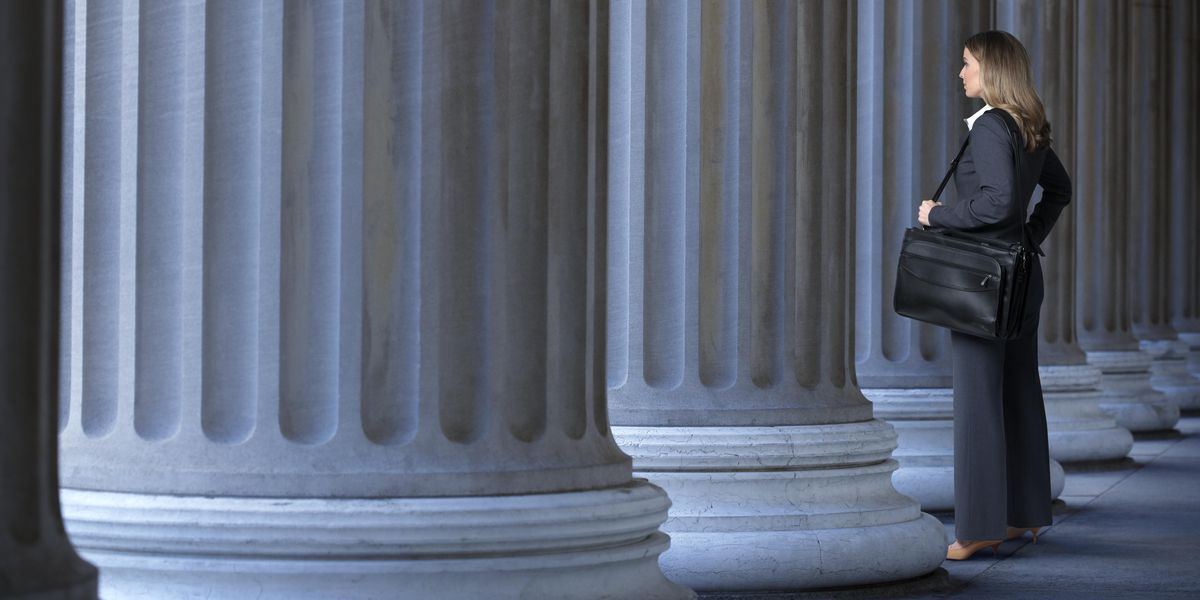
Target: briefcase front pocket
{"points": [[959, 296]]}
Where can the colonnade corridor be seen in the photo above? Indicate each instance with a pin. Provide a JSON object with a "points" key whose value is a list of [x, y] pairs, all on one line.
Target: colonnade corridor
{"points": [[567, 300]]}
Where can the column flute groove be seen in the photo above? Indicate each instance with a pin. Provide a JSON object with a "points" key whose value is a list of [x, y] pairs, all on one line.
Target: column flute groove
{"points": [[665, 171], [232, 215], [311, 241], [391, 217], [109, 226]]}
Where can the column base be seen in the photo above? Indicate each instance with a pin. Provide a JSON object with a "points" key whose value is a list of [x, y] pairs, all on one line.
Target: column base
{"points": [[82, 587], [785, 508], [1192, 339], [45, 569], [930, 479], [592, 544], [1126, 392], [82, 590], [1193, 357], [1148, 412], [924, 474], [799, 559], [1079, 431], [1169, 372], [924, 422]]}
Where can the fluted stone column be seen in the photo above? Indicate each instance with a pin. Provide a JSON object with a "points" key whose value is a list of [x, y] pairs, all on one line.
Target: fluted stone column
{"points": [[906, 138], [37, 561], [1078, 429], [910, 111], [1103, 274], [338, 286], [1183, 179], [1151, 281], [731, 366]]}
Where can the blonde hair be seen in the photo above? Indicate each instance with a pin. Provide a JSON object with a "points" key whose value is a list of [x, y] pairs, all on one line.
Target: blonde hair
{"points": [[1008, 85]]}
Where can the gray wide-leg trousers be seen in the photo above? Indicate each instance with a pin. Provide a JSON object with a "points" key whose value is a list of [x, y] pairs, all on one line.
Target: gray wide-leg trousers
{"points": [[1001, 449]]}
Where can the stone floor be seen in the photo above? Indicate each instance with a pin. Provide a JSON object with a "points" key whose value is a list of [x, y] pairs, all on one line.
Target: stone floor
{"points": [[1129, 530]]}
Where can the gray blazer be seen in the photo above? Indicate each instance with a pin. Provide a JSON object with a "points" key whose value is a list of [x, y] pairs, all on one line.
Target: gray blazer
{"points": [[984, 182]]}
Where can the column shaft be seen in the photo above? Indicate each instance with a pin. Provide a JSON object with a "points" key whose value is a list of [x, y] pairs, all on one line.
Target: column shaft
{"points": [[1103, 277], [280, 334], [733, 382], [906, 141], [1184, 176], [342, 266], [1078, 429], [37, 560], [1151, 281]]}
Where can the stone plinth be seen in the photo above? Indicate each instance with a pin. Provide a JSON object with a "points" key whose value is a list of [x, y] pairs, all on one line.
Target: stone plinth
{"points": [[924, 424], [1193, 360], [1169, 372], [575, 545], [1127, 394], [1079, 430], [747, 498]]}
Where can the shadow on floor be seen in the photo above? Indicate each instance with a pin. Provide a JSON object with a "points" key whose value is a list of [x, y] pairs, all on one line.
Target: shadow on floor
{"points": [[1102, 466], [936, 583], [1150, 436]]}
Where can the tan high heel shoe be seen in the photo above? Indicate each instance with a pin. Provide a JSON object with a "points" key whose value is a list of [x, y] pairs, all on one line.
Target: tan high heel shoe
{"points": [[959, 551], [1018, 532]]}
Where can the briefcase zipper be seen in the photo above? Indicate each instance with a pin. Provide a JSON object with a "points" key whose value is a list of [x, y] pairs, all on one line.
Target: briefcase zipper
{"points": [[970, 268], [945, 247]]}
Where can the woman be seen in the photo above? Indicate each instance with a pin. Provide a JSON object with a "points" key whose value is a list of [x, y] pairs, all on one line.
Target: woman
{"points": [[1001, 453]]}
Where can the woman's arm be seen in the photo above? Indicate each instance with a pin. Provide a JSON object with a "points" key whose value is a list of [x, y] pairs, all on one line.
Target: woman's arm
{"points": [[991, 203], [1056, 194]]}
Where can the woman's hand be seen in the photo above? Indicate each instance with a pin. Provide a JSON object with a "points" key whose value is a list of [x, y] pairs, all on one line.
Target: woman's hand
{"points": [[923, 211]]}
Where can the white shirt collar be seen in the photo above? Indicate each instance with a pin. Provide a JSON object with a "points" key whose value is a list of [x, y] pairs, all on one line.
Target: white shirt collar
{"points": [[971, 119]]}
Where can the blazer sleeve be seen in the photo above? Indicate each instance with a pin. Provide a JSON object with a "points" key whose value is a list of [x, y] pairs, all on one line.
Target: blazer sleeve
{"points": [[1056, 194], [992, 202]]}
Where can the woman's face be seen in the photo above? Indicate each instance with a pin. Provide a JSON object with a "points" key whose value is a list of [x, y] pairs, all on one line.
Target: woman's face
{"points": [[970, 76]]}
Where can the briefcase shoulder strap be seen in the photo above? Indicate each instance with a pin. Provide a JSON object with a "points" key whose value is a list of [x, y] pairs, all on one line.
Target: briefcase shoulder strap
{"points": [[953, 168], [1014, 141]]}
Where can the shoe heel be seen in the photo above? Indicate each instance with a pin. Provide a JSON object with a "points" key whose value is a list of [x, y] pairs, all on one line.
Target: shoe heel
{"points": [[1016, 533]]}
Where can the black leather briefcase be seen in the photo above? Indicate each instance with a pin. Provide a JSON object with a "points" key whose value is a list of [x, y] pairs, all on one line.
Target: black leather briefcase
{"points": [[967, 283]]}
